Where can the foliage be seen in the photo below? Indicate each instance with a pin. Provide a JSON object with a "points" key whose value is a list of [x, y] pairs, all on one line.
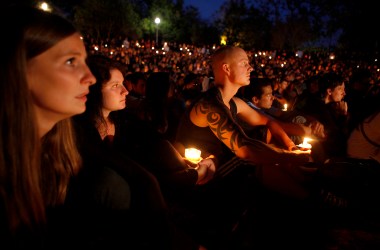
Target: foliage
{"points": [[260, 24], [104, 20]]}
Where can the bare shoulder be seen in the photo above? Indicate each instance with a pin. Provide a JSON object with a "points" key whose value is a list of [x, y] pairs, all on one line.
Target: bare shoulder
{"points": [[205, 111]]}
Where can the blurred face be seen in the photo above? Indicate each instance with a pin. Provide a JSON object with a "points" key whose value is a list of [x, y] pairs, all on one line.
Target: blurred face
{"points": [[266, 99], [140, 87], [239, 67], [283, 85], [114, 92], [59, 81], [337, 94]]}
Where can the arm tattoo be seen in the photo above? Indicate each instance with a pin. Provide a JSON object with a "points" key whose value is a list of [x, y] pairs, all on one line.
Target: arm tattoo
{"points": [[222, 125]]}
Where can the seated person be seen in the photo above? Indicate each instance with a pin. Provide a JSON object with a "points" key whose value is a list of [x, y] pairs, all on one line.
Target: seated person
{"points": [[281, 94], [146, 142], [99, 131], [332, 111], [364, 140], [137, 83], [353, 180], [210, 125], [259, 96], [147, 135]]}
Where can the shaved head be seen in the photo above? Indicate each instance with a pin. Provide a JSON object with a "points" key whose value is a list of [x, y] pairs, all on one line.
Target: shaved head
{"points": [[222, 55]]}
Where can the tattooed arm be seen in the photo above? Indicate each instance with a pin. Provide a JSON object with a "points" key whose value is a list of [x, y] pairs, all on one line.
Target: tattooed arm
{"points": [[218, 118]]}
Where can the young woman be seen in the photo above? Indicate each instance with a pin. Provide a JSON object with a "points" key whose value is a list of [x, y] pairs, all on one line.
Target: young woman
{"points": [[101, 129], [45, 195], [44, 81]]}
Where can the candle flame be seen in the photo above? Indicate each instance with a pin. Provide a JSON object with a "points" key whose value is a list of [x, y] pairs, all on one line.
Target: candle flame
{"points": [[285, 107], [305, 144], [193, 154]]}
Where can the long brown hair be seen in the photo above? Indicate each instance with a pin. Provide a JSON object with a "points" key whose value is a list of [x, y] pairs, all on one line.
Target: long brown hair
{"points": [[29, 183]]}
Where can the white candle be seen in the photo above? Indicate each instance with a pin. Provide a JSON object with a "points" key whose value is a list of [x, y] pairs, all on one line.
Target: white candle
{"points": [[193, 154]]}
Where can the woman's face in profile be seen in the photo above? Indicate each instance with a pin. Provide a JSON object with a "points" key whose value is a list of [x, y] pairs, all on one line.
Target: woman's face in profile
{"points": [[114, 92], [59, 80]]}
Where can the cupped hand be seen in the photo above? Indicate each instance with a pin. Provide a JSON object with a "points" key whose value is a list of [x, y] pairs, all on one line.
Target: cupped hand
{"points": [[206, 170]]}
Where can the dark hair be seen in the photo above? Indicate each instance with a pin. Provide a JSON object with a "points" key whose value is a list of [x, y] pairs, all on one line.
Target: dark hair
{"points": [[329, 80], [255, 88], [100, 67], [136, 76]]}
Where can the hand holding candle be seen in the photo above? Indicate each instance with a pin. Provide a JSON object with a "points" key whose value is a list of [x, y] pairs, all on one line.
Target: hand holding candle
{"points": [[193, 155]]}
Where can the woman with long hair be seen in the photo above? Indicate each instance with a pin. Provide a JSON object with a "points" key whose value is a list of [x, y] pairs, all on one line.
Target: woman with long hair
{"points": [[44, 79]]}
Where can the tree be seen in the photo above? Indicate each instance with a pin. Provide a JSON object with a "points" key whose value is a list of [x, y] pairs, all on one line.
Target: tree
{"points": [[105, 20]]}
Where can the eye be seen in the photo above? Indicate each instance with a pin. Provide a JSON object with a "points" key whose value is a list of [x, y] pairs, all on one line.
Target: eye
{"points": [[70, 61]]}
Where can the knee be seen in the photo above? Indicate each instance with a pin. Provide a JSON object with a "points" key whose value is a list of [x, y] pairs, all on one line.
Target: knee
{"points": [[113, 191]]}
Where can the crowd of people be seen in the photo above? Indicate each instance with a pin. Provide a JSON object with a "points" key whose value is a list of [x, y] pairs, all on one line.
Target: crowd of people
{"points": [[94, 139]]}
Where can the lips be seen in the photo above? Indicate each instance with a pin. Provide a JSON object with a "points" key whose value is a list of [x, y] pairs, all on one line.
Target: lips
{"points": [[82, 95]]}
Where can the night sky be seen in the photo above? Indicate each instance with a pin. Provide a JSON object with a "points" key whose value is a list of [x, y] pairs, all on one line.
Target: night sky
{"points": [[206, 7]]}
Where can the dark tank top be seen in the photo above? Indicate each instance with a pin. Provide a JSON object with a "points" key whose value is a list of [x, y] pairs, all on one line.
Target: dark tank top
{"points": [[203, 138]]}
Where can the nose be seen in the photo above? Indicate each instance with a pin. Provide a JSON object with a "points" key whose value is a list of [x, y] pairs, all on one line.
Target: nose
{"points": [[124, 90], [250, 68], [88, 78]]}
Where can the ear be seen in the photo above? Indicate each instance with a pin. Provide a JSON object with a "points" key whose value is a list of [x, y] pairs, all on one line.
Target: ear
{"points": [[255, 100], [329, 91], [226, 68]]}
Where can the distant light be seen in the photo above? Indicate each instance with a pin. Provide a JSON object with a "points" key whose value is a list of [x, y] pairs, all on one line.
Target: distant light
{"points": [[44, 6], [157, 20], [223, 40]]}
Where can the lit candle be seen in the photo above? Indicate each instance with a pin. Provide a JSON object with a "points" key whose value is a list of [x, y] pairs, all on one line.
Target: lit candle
{"points": [[193, 155], [285, 107], [305, 145]]}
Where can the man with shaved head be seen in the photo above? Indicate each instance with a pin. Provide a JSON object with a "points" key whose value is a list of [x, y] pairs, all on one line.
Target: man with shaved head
{"points": [[211, 125]]}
